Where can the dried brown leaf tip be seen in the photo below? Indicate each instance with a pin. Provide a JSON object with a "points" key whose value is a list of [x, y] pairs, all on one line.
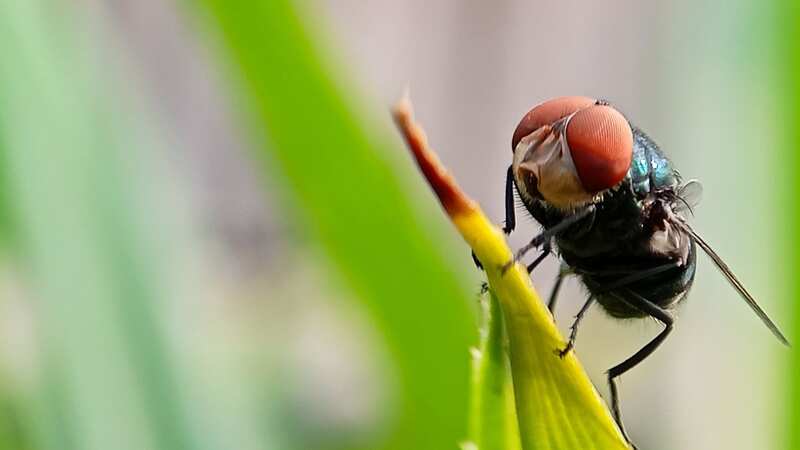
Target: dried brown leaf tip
{"points": [[452, 198]]}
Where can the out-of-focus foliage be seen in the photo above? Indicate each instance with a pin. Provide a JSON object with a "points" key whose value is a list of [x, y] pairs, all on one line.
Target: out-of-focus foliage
{"points": [[352, 200], [787, 61], [75, 173]]}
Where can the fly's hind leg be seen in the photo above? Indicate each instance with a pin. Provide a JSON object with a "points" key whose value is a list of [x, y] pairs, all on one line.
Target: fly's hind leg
{"points": [[630, 278], [646, 306]]}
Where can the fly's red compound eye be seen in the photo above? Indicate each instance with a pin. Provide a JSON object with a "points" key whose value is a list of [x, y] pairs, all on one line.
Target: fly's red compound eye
{"points": [[547, 113], [601, 145]]}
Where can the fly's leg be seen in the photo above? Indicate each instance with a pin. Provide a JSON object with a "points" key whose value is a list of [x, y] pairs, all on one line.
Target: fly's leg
{"points": [[627, 280], [546, 250], [476, 261], [573, 330], [551, 303], [615, 408], [511, 218], [548, 234], [646, 306]]}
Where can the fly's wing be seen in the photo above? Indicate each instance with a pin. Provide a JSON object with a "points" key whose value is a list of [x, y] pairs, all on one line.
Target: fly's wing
{"points": [[688, 196], [733, 280]]}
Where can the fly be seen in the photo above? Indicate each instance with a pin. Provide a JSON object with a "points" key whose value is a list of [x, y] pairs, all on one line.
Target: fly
{"points": [[615, 210]]}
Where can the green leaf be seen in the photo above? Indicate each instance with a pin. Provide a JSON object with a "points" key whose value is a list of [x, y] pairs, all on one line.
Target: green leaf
{"points": [[493, 417]]}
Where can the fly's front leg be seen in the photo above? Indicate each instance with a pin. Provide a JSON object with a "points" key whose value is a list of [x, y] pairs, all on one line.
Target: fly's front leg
{"points": [[646, 306], [547, 235], [546, 250], [511, 217]]}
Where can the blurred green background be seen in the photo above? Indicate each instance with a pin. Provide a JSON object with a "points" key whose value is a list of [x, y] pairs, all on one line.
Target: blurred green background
{"points": [[212, 237]]}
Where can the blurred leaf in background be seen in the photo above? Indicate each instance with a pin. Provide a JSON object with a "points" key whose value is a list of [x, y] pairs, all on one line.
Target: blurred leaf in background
{"points": [[350, 197], [786, 59], [88, 237], [96, 257]]}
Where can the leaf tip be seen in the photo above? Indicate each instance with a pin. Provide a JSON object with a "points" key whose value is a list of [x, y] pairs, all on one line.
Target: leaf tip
{"points": [[452, 198]]}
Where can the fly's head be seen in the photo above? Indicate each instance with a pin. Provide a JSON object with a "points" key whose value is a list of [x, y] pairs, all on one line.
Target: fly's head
{"points": [[569, 150]]}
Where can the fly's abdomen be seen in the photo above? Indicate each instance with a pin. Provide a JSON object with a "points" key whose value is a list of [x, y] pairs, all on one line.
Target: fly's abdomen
{"points": [[665, 290]]}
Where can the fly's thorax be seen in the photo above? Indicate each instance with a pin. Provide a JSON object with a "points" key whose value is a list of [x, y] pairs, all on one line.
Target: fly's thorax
{"points": [[650, 169]]}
